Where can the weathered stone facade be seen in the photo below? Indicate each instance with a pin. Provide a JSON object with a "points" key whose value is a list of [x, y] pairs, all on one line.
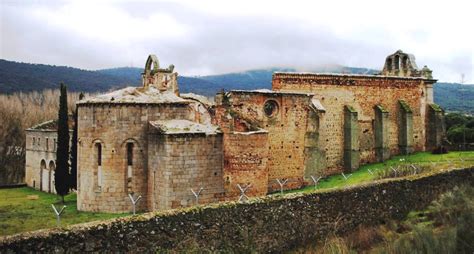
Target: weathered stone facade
{"points": [[40, 162], [404, 99], [155, 142]]}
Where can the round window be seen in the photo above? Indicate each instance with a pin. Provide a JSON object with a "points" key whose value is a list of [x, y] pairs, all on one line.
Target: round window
{"points": [[270, 108]]}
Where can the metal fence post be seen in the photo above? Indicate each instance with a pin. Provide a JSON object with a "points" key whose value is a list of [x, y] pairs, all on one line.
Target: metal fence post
{"points": [[58, 214]]}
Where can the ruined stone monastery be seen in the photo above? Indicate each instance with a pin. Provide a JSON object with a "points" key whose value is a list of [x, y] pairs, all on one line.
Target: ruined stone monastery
{"points": [[155, 142]]}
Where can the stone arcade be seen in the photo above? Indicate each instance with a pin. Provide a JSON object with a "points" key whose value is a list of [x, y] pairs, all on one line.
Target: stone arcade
{"points": [[158, 143]]}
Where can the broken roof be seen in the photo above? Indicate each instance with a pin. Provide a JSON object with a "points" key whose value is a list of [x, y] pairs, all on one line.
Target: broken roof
{"points": [[200, 98], [147, 95], [51, 125], [180, 126]]}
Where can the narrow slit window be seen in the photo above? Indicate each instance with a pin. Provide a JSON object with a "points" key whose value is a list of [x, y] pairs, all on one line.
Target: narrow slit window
{"points": [[47, 144], [99, 154], [129, 154]]}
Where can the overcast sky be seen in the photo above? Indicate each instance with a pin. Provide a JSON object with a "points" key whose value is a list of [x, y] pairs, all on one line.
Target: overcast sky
{"points": [[209, 37]]}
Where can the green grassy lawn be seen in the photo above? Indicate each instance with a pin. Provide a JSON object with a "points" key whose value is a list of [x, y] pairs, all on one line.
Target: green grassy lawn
{"points": [[20, 211], [363, 175], [26, 209]]}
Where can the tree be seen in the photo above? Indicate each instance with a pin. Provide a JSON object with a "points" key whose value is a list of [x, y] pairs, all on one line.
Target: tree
{"points": [[62, 176]]}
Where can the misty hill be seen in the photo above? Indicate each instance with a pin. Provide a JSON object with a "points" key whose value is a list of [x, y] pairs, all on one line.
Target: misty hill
{"points": [[15, 77], [252, 79]]}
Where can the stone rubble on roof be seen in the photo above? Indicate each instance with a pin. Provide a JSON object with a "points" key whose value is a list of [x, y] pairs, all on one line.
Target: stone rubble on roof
{"points": [[180, 126], [203, 99], [136, 95]]}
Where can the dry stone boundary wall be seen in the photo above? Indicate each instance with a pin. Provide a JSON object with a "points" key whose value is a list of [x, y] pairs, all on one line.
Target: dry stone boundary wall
{"points": [[270, 224]]}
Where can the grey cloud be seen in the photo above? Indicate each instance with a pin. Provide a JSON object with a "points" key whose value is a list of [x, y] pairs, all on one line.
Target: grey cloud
{"points": [[212, 44]]}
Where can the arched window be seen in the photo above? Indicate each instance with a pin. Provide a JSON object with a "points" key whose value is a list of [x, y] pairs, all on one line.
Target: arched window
{"points": [[389, 64], [130, 154], [52, 168], [405, 63], [98, 172], [397, 63], [44, 179], [98, 147]]}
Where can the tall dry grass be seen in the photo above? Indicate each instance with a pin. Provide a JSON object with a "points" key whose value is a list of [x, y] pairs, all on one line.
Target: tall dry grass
{"points": [[18, 112]]}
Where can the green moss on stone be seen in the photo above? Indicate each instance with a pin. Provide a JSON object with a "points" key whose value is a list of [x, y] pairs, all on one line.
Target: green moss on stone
{"points": [[381, 108], [350, 109], [405, 106], [436, 107]]}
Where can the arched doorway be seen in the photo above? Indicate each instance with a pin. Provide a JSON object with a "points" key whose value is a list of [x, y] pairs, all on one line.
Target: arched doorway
{"points": [[44, 176], [52, 169]]}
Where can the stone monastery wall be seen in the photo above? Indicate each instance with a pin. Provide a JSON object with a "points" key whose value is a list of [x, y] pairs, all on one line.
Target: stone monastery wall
{"points": [[245, 163], [113, 126], [287, 127], [269, 224], [40, 159], [179, 163], [362, 93]]}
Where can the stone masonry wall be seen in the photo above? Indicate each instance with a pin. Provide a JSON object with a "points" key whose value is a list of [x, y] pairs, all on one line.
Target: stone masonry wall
{"points": [[286, 132], [179, 163], [362, 93], [245, 162], [113, 126], [271, 224], [42, 148]]}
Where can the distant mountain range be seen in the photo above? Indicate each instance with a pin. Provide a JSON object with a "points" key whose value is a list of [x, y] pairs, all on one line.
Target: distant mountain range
{"points": [[24, 77]]}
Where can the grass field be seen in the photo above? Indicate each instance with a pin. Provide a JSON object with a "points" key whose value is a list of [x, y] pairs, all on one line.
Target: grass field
{"points": [[26, 209], [370, 172]]}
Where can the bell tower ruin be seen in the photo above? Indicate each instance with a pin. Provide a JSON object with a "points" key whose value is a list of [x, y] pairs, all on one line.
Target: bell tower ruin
{"points": [[161, 79]]}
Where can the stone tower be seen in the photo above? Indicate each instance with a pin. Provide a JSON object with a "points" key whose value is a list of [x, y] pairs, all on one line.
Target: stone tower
{"points": [[401, 64]]}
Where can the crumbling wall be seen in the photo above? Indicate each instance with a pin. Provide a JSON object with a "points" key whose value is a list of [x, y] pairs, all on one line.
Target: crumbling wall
{"points": [[271, 224], [286, 121], [245, 163], [362, 93], [435, 127]]}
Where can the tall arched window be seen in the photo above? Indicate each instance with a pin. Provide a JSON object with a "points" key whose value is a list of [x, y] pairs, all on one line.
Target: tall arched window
{"points": [[99, 154], [128, 184], [389, 64], [98, 179], [44, 178], [130, 154], [397, 63]]}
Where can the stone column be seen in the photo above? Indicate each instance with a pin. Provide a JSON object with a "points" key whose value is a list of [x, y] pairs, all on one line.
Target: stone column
{"points": [[435, 127], [351, 139], [405, 128], [382, 151]]}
